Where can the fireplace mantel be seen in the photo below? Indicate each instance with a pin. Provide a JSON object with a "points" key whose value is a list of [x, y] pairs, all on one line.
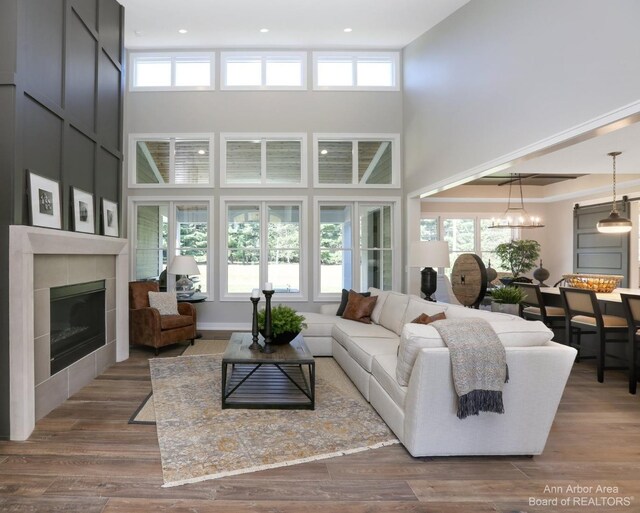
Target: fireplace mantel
{"points": [[24, 243]]}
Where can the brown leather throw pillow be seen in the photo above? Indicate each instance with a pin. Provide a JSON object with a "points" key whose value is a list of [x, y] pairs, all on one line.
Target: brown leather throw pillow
{"points": [[428, 319], [359, 308]]}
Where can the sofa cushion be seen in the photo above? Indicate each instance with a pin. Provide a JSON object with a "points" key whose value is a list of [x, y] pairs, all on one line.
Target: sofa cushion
{"points": [[392, 316], [417, 306], [345, 329], [417, 336], [383, 369], [165, 302], [382, 297], [363, 349], [345, 299], [318, 324], [359, 308]]}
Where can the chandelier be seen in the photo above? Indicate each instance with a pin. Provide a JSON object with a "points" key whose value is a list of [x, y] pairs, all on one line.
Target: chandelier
{"points": [[516, 216], [614, 223]]}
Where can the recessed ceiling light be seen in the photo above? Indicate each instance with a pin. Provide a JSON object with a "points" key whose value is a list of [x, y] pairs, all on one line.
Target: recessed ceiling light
{"points": [[324, 152], [348, 29], [201, 152], [264, 30], [183, 31]]}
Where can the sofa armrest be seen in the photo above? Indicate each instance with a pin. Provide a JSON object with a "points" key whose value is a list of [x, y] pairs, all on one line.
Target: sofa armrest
{"points": [[185, 308], [537, 378], [144, 326]]}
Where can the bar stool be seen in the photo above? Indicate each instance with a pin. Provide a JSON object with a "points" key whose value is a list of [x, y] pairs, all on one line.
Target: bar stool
{"points": [[583, 313], [631, 304], [535, 309]]}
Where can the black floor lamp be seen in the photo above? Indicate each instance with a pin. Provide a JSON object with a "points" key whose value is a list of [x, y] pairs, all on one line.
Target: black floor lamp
{"points": [[429, 255]]}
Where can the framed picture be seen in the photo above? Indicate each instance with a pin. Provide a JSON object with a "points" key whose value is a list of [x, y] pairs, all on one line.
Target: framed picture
{"points": [[82, 211], [109, 218], [44, 198]]}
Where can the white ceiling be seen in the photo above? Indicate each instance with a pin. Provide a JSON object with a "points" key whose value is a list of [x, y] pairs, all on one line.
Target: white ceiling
{"points": [[376, 24]]}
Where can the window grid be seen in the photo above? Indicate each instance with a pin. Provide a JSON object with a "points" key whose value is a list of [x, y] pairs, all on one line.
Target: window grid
{"points": [[357, 60]]}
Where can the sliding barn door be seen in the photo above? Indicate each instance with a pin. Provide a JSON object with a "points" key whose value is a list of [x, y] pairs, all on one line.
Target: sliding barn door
{"points": [[599, 253]]}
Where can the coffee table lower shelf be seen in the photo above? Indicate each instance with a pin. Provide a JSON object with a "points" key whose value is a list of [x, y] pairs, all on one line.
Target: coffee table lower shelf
{"points": [[268, 386]]}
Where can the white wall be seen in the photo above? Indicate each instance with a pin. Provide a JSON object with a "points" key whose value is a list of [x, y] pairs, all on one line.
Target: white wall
{"points": [[260, 111], [499, 75]]}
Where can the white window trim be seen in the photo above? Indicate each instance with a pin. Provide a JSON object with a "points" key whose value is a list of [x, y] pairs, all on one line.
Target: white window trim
{"points": [[131, 157], [396, 172], [263, 137], [134, 201], [302, 57], [262, 202], [354, 57], [356, 202], [134, 57]]}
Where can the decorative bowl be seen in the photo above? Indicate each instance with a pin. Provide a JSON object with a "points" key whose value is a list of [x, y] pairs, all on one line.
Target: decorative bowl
{"points": [[595, 282], [283, 338]]}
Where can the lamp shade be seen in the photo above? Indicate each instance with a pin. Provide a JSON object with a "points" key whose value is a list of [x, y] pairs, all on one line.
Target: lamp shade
{"points": [[185, 265], [432, 253]]}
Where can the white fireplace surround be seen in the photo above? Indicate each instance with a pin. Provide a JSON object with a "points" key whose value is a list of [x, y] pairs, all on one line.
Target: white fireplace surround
{"points": [[24, 243]]}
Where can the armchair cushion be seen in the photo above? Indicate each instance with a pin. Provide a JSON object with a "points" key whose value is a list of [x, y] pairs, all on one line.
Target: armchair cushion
{"points": [[165, 302], [169, 322]]}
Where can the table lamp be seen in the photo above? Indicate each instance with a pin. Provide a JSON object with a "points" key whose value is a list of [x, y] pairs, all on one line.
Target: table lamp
{"points": [[184, 265], [429, 254]]}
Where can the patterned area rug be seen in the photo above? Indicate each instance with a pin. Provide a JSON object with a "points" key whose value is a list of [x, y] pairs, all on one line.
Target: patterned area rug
{"points": [[200, 441]]}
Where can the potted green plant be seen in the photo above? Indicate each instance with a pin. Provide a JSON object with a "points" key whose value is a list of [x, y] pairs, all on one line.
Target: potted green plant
{"points": [[519, 256], [506, 299], [286, 323]]}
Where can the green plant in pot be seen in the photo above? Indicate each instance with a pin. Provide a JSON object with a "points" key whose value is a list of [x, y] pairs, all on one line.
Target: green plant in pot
{"points": [[506, 299], [519, 256], [286, 323]]}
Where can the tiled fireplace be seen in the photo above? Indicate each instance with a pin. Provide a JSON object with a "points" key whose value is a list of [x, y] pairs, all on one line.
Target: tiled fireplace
{"points": [[42, 260]]}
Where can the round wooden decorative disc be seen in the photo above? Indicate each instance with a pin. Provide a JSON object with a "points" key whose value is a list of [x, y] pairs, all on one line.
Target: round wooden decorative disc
{"points": [[469, 279]]}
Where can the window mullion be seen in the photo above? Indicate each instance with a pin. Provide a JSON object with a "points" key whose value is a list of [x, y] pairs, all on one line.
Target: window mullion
{"points": [[263, 71], [173, 71], [354, 71], [264, 244], [355, 243], [172, 160], [263, 161], [354, 162]]}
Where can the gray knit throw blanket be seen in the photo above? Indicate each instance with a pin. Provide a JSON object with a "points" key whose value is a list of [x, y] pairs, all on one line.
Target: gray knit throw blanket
{"points": [[478, 364]]}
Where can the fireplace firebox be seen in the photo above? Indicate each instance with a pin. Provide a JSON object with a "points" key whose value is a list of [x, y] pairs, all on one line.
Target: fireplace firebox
{"points": [[77, 322]]}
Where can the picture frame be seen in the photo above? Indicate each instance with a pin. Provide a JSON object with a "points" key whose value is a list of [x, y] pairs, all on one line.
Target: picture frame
{"points": [[110, 218], [83, 211], [44, 199]]}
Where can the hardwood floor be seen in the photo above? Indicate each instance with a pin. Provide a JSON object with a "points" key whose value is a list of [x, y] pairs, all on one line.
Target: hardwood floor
{"points": [[84, 457]]}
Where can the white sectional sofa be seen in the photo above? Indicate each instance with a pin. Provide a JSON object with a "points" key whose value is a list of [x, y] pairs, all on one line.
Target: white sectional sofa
{"points": [[420, 405]]}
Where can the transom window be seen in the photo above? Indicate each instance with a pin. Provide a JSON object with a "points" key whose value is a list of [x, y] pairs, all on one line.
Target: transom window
{"points": [[176, 70], [263, 244], [356, 160], [276, 160], [258, 70], [356, 71], [175, 161], [356, 254]]}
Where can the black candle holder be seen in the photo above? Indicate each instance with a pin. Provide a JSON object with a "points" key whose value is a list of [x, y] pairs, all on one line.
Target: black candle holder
{"points": [[254, 325], [268, 335]]}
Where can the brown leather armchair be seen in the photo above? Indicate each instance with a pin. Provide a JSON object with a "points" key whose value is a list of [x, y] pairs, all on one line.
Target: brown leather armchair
{"points": [[147, 327]]}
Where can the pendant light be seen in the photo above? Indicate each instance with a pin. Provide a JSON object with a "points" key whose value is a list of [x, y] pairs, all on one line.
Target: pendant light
{"points": [[516, 216], [614, 223]]}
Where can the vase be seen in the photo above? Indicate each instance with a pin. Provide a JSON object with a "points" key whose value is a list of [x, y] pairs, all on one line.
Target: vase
{"points": [[505, 308]]}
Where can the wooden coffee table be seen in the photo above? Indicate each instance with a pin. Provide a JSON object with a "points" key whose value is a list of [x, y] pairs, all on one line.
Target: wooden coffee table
{"points": [[284, 379]]}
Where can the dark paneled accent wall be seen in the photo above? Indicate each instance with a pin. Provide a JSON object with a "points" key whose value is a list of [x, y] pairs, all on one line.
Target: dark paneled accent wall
{"points": [[595, 252], [61, 90]]}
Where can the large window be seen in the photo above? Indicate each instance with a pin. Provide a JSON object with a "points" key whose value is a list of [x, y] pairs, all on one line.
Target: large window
{"points": [[276, 160], [263, 244], [347, 71], [161, 160], [467, 234], [258, 70], [168, 71], [356, 160], [162, 229], [358, 255]]}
